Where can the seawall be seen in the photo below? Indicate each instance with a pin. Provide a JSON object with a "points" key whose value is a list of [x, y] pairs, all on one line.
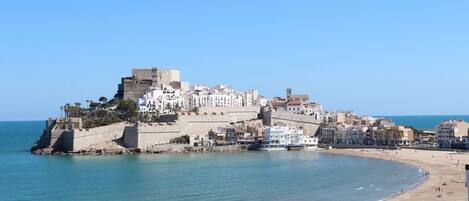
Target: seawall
{"points": [[57, 138]]}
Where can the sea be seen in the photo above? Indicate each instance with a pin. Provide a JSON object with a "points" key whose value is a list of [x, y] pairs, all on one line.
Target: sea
{"points": [[425, 122], [253, 175]]}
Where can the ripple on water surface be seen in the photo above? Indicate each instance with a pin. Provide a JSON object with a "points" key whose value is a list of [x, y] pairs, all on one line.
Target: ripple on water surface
{"points": [[210, 176]]}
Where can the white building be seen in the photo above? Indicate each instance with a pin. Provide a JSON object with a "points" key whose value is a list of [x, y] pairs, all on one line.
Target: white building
{"points": [[160, 100], [310, 142], [282, 137], [221, 96], [315, 110]]}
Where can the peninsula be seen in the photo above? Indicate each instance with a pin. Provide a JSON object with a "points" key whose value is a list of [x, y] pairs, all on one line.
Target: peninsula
{"points": [[153, 111]]}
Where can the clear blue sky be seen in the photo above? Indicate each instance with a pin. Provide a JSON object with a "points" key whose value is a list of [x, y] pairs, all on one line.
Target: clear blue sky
{"points": [[375, 57]]}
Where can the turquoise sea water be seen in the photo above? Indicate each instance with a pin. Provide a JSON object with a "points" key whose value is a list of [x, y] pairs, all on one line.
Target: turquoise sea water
{"points": [[425, 122], [210, 176]]}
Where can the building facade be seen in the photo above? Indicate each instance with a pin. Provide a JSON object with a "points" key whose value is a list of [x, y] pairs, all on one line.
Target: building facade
{"points": [[133, 88], [162, 99], [221, 96], [451, 134], [282, 137]]}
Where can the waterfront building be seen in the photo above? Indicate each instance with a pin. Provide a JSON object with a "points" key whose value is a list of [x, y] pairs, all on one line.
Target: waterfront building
{"points": [[452, 133], [223, 136], [393, 136], [160, 100], [310, 142], [426, 139], [233, 135], [366, 134], [201, 141], [282, 138], [328, 134]]}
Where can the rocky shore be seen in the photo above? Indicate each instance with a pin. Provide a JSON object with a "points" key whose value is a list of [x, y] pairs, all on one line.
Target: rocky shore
{"points": [[156, 149]]}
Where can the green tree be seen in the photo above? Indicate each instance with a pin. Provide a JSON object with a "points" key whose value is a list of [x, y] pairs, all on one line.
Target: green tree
{"points": [[94, 105], [103, 100], [127, 110], [102, 113]]}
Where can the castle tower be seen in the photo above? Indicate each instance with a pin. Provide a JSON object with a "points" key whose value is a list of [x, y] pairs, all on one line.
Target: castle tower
{"points": [[289, 93]]}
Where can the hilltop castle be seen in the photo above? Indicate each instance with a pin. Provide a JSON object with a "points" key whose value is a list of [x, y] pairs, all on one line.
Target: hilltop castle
{"points": [[133, 88], [180, 111]]}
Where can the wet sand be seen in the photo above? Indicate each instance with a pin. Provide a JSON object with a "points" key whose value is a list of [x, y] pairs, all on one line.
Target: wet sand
{"points": [[446, 179]]}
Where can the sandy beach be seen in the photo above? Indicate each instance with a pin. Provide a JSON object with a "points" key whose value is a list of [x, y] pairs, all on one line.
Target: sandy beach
{"points": [[446, 180]]}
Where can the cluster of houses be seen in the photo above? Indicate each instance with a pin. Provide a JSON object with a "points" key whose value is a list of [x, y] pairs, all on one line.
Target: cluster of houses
{"points": [[298, 104], [348, 128], [166, 99], [255, 135], [161, 91]]}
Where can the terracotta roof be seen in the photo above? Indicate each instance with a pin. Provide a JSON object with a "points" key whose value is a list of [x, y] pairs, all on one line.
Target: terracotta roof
{"points": [[295, 103]]}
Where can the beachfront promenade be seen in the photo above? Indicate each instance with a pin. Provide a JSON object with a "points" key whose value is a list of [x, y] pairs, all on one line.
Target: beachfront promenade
{"points": [[446, 170]]}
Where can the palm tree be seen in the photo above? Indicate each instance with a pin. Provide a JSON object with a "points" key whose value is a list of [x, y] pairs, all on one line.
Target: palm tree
{"points": [[67, 108], [77, 108], [61, 109]]}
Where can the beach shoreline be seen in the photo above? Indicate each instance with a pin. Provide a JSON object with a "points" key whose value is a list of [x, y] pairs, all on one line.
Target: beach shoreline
{"points": [[445, 179]]}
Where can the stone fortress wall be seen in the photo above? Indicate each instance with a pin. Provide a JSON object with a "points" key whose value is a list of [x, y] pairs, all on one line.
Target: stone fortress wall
{"points": [[188, 123], [144, 135], [193, 124], [80, 139]]}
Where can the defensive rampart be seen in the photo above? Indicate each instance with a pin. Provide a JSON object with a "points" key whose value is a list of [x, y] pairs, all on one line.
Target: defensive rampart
{"points": [[143, 135], [80, 139], [188, 123]]}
